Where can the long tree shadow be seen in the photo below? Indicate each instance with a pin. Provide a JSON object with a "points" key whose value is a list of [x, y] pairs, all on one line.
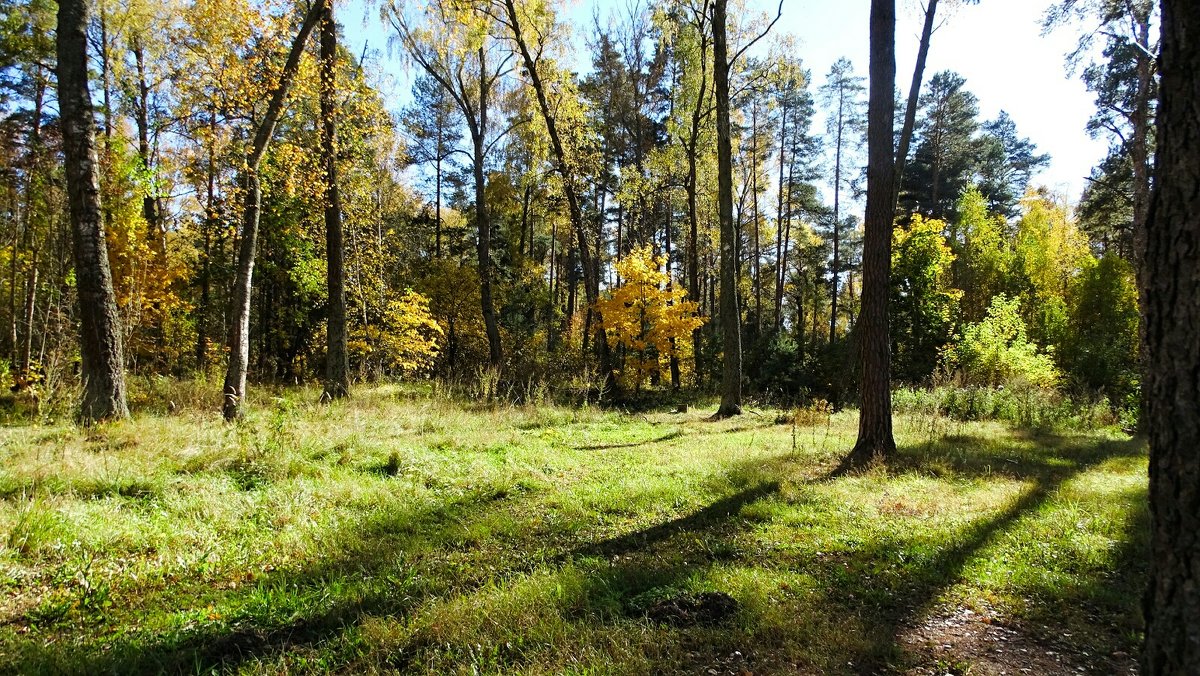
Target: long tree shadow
{"points": [[670, 436], [893, 608], [399, 560]]}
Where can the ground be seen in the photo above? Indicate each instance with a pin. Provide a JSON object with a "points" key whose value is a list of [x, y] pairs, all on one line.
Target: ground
{"points": [[402, 531]]}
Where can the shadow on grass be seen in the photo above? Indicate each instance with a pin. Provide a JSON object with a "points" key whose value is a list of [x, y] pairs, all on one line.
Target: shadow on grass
{"points": [[670, 436], [395, 562], [890, 608]]}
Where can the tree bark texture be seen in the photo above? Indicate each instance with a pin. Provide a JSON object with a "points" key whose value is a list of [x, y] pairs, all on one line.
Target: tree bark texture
{"points": [[102, 356], [875, 420], [1171, 304], [337, 360], [731, 319]]}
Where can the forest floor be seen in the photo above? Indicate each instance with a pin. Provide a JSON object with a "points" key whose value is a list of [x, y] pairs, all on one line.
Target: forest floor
{"points": [[402, 531]]}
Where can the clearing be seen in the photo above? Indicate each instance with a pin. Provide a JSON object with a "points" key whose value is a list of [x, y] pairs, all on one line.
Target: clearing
{"points": [[403, 531]]}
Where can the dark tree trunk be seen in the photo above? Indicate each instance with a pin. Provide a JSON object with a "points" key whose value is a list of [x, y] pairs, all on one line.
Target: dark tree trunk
{"points": [[234, 390], [102, 358], [337, 360], [914, 93], [731, 320], [1171, 303], [875, 421], [1140, 155], [483, 222]]}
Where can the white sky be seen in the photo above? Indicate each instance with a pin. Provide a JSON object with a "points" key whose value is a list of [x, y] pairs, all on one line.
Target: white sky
{"points": [[997, 46]]}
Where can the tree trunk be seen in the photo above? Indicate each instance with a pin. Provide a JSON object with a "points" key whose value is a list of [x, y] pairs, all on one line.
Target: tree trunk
{"points": [[590, 264], [337, 360], [234, 390], [102, 357], [210, 221], [914, 93], [756, 267], [875, 420], [779, 265], [483, 222], [1140, 155], [150, 212], [731, 320], [1171, 304], [837, 216]]}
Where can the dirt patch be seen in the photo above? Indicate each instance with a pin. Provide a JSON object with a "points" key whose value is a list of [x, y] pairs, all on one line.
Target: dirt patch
{"points": [[962, 642], [688, 610]]}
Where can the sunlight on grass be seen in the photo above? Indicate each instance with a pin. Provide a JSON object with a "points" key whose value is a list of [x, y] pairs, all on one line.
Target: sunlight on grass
{"points": [[401, 531]]}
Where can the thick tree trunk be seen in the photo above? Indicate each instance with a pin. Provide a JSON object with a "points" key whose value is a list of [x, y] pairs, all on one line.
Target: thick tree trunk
{"points": [[1171, 303], [914, 93], [337, 360], [875, 420], [234, 390], [731, 320], [102, 357]]}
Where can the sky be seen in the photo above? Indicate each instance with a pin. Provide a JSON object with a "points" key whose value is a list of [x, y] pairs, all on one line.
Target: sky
{"points": [[996, 45]]}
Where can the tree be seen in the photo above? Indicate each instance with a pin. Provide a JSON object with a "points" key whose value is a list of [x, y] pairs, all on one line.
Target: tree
{"points": [[433, 123], [558, 104], [1006, 163], [875, 418], [239, 332], [690, 35], [1124, 83], [798, 148], [1171, 303], [102, 356], [646, 316], [455, 54], [842, 95], [995, 351], [910, 109], [731, 315], [944, 161], [923, 306], [337, 360]]}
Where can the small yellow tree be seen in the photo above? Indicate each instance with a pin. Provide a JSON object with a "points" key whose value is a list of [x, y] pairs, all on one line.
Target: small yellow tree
{"points": [[647, 318], [406, 341]]}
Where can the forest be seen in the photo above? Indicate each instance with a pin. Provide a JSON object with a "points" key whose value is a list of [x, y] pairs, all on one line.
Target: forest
{"points": [[619, 339]]}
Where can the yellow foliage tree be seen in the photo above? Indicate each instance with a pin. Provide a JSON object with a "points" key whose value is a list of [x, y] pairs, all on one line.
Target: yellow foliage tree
{"points": [[406, 342], [647, 317]]}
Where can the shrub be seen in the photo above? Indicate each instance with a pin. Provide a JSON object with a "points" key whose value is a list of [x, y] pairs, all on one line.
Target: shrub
{"points": [[997, 352]]}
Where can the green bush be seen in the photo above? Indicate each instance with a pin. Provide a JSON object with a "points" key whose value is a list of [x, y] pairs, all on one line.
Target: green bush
{"points": [[996, 351], [1028, 407]]}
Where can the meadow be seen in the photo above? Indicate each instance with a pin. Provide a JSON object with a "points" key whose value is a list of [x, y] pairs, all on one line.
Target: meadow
{"points": [[407, 530]]}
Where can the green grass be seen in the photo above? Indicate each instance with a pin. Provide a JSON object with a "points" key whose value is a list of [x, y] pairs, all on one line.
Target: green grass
{"points": [[402, 532]]}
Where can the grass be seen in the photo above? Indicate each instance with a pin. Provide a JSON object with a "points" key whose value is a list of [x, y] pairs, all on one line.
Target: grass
{"points": [[403, 532]]}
